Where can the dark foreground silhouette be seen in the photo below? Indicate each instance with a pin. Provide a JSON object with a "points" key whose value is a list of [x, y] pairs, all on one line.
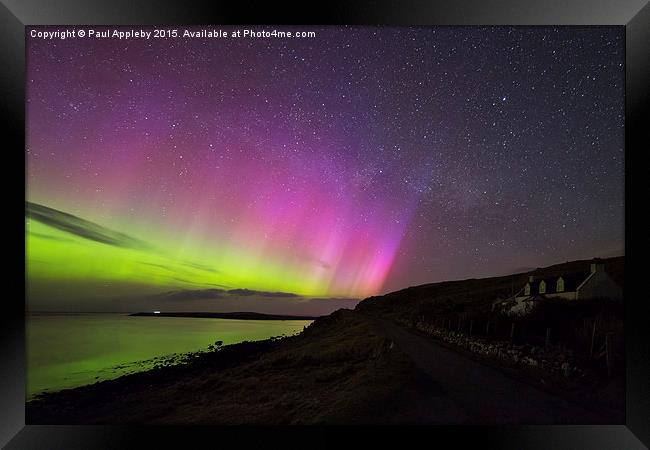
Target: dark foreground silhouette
{"points": [[345, 368]]}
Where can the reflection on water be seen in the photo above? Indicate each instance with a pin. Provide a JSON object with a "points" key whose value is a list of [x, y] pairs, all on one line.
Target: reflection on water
{"points": [[70, 350]]}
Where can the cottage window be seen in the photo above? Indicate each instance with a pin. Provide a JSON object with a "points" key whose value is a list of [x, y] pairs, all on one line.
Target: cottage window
{"points": [[542, 287], [560, 285], [527, 289]]}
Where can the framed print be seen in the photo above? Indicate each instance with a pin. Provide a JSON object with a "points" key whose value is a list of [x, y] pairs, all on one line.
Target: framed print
{"points": [[258, 222]]}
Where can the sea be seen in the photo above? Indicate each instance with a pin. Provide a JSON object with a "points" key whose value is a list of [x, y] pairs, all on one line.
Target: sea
{"points": [[71, 350]]}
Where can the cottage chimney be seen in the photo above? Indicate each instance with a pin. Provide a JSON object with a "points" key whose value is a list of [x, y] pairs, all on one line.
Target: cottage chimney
{"points": [[595, 267]]}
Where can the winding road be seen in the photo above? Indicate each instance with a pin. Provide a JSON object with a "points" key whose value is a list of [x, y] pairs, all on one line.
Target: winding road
{"points": [[466, 391]]}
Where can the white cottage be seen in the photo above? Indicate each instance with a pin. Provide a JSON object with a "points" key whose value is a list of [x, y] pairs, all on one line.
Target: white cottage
{"points": [[574, 286]]}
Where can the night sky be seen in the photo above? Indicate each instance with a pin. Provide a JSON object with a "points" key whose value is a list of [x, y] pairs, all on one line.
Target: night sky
{"points": [[356, 162]]}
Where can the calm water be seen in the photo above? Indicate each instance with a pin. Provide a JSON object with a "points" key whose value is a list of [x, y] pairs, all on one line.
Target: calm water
{"points": [[66, 351]]}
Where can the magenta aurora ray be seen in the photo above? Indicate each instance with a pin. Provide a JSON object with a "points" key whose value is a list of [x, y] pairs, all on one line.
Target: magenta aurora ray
{"points": [[351, 163]]}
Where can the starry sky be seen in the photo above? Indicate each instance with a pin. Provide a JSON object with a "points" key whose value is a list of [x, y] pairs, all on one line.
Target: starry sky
{"points": [[357, 162]]}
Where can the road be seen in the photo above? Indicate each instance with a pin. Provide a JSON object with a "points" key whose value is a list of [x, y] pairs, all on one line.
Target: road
{"points": [[466, 391]]}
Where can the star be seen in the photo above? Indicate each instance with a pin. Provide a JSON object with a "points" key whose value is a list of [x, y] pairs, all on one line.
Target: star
{"points": [[399, 156]]}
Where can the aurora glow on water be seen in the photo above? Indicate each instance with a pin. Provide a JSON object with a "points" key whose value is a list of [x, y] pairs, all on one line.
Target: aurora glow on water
{"points": [[70, 350]]}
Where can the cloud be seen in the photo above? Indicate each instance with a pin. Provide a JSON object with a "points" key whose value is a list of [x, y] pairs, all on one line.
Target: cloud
{"points": [[193, 294], [98, 233], [81, 227], [160, 266], [225, 301], [249, 292], [199, 266], [50, 237]]}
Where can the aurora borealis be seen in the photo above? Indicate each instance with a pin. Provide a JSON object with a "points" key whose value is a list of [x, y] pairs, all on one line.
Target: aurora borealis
{"points": [[352, 163]]}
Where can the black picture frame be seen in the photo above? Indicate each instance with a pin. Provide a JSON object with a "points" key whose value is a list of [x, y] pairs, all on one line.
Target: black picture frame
{"points": [[634, 15]]}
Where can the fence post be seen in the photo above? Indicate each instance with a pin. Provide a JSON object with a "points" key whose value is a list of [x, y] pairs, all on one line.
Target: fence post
{"points": [[512, 333], [471, 325], [548, 338], [459, 322], [608, 353], [593, 338], [487, 329]]}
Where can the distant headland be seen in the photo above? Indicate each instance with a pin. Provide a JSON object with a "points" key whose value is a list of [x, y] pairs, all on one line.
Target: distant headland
{"points": [[224, 315]]}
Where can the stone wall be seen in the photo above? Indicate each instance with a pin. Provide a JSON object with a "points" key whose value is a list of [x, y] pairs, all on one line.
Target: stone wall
{"points": [[552, 360]]}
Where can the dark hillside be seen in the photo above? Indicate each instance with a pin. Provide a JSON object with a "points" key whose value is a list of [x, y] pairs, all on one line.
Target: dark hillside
{"points": [[341, 369], [585, 336], [472, 295]]}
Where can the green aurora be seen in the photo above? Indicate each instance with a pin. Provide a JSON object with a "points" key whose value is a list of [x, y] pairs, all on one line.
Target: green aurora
{"points": [[69, 257]]}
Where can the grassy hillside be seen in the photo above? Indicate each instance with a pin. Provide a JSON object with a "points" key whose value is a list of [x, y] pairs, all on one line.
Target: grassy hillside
{"points": [[472, 295], [341, 369]]}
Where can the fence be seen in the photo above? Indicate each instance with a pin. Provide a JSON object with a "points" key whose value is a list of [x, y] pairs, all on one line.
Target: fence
{"points": [[594, 343]]}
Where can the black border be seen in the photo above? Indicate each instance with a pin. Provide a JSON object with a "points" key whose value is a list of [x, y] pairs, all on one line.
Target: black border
{"points": [[15, 14]]}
